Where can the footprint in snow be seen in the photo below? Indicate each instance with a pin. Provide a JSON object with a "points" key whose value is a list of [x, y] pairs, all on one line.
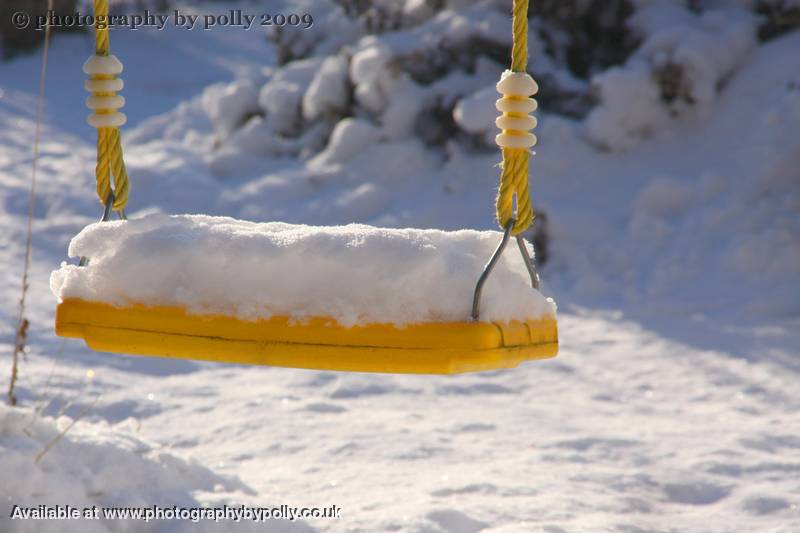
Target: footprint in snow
{"points": [[454, 521], [477, 426], [585, 444], [475, 388], [321, 407], [420, 452], [479, 488], [695, 493], [761, 505], [772, 443]]}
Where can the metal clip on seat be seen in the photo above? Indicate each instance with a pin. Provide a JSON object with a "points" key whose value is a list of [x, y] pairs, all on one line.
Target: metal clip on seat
{"points": [[487, 270]]}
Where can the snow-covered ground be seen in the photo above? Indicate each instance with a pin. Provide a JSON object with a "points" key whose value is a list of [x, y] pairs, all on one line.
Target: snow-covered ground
{"points": [[674, 259]]}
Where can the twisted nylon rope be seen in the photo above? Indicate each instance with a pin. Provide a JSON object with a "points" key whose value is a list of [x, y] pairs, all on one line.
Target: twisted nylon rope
{"points": [[514, 176], [109, 145]]}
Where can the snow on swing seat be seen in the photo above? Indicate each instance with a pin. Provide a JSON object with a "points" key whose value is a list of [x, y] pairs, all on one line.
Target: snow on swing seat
{"points": [[354, 298]]}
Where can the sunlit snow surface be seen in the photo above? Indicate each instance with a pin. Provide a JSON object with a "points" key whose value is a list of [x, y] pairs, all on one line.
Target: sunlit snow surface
{"points": [[353, 274], [673, 402]]}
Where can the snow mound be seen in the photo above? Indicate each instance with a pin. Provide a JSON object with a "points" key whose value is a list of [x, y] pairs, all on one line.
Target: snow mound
{"points": [[354, 274], [677, 72], [92, 466], [228, 104]]}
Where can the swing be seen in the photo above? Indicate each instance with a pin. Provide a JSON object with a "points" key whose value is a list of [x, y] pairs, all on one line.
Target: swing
{"points": [[467, 344]]}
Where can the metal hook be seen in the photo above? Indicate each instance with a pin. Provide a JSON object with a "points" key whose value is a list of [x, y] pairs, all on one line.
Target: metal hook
{"points": [[528, 262], [487, 270], [105, 218]]}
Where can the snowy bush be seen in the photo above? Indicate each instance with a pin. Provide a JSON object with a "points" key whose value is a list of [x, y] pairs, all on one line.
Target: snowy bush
{"points": [[229, 105], [426, 69], [328, 92], [281, 98], [348, 138], [779, 17], [587, 35], [403, 82], [678, 70], [334, 26], [475, 113]]}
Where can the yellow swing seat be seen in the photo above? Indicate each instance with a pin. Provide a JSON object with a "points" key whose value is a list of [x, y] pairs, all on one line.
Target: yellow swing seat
{"points": [[318, 343]]}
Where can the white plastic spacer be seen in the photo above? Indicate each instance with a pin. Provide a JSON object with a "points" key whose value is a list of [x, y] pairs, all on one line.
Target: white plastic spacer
{"points": [[107, 120], [516, 84], [105, 102], [507, 105], [96, 64], [504, 140], [103, 85], [515, 123], [524, 123]]}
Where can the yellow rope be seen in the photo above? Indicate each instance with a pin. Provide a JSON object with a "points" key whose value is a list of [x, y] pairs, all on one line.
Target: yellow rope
{"points": [[109, 146], [101, 27], [514, 176]]}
